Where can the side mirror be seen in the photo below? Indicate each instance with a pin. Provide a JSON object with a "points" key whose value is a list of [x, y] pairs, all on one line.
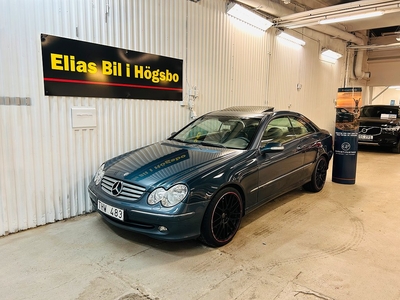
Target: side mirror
{"points": [[272, 147]]}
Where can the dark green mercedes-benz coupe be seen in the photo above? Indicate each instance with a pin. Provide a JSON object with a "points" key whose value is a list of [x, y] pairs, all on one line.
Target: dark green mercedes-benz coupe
{"points": [[201, 181]]}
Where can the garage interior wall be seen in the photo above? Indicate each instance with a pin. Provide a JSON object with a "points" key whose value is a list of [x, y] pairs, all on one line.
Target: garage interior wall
{"points": [[300, 81], [46, 165], [385, 95]]}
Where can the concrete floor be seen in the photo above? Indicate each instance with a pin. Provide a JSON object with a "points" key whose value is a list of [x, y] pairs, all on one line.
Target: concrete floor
{"points": [[342, 243]]}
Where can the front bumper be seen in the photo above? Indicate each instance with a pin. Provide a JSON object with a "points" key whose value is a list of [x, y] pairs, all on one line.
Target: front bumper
{"points": [[377, 135], [181, 225], [381, 139]]}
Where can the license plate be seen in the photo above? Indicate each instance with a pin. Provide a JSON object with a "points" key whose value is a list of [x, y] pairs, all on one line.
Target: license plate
{"points": [[365, 137], [110, 210]]}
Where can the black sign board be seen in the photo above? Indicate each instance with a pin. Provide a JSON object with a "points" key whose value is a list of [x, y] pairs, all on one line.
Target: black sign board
{"points": [[82, 69], [346, 135]]}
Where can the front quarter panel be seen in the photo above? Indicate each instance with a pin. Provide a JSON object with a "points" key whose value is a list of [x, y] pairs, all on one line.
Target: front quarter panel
{"points": [[240, 172]]}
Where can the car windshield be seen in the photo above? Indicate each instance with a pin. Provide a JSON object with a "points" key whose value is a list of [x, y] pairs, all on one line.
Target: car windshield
{"points": [[220, 131], [383, 112]]}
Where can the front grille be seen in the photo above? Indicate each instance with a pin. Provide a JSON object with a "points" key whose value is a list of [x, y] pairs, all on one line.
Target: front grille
{"points": [[129, 191], [370, 130]]}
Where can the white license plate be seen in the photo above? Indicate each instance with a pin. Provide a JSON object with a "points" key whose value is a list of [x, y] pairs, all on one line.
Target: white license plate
{"points": [[111, 210], [365, 137]]}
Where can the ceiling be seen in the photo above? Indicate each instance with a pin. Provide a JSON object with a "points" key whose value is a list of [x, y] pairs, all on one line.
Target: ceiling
{"points": [[376, 38], [384, 25], [378, 26]]}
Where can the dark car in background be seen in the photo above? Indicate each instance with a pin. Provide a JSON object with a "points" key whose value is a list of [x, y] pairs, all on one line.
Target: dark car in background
{"points": [[380, 124], [201, 181], [344, 116]]}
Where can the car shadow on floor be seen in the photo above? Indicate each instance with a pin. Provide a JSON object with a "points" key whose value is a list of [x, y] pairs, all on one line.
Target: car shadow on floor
{"points": [[189, 246], [266, 208]]}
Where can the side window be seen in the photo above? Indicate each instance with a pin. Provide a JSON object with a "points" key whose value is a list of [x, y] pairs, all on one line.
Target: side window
{"points": [[278, 130], [301, 127]]}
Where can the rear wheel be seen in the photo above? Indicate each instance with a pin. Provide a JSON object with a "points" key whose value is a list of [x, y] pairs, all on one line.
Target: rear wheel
{"points": [[318, 176], [222, 218]]}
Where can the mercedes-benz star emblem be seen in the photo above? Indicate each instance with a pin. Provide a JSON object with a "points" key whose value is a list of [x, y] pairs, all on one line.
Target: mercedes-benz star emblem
{"points": [[117, 188]]}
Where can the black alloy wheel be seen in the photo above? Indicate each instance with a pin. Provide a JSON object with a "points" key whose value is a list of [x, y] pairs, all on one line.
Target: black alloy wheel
{"points": [[318, 176], [222, 218]]}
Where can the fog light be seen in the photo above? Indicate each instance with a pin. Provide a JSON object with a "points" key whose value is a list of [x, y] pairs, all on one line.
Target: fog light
{"points": [[162, 228]]}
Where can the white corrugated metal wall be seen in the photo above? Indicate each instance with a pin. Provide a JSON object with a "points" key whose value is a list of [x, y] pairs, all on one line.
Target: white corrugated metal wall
{"points": [[46, 165], [293, 64], [226, 59]]}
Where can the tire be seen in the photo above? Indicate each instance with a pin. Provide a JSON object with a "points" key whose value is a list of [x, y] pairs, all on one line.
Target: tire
{"points": [[318, 176], [222, 218]]}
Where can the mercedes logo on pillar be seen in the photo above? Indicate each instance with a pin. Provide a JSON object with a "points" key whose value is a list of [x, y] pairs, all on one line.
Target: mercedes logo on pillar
{"points": [[117, 188]]}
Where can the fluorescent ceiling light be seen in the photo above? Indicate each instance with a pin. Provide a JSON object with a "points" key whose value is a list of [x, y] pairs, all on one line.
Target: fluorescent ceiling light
{"points": [[331, 54], [291, 38], [241, 13], [352, 17]]}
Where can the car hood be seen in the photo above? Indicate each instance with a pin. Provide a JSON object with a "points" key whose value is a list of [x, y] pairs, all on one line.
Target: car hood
{"points": [[166, 163]]}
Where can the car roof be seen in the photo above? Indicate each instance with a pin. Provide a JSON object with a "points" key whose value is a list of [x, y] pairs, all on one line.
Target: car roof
{"points": [[381, 105], [256, 111]]}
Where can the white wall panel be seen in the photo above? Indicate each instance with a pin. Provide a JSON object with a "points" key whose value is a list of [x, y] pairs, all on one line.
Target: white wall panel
{"points": [[384, 95], [385, 73], [293, 64], [46, 165], [226, 58]]}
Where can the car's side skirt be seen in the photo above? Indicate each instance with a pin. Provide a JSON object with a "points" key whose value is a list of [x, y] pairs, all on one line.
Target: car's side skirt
{"points": [[280, 177]]}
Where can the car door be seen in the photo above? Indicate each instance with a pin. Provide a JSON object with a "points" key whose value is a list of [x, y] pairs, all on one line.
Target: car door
{"points": [[278, 171], [308, 142]]}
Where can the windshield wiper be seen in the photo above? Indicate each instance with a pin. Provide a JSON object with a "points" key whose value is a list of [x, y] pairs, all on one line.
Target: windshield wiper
{"points": [[212, 145], [178, 140], [182, 141], [197, 143]]}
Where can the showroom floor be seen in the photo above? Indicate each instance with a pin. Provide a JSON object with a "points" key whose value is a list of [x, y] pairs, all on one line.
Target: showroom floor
{"points": [[342, 243]]}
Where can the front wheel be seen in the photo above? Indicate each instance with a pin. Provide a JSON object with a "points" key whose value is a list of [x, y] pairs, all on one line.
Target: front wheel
{"points": [[222, 218], [318, 176]]}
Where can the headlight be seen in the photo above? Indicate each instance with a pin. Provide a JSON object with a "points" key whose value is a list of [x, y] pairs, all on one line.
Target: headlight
{"points": [[392, 129], [168, 198], [99, 175]]}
